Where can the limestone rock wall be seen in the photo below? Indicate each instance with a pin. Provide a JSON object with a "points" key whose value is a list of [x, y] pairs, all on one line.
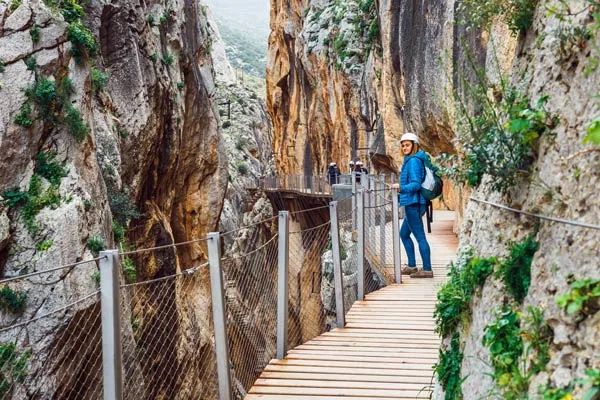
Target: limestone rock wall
{"points": [[153, 145]]}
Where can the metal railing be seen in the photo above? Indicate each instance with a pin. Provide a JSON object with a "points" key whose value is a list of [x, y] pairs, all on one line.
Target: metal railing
{"points": [[317, 184], [208, 330]]}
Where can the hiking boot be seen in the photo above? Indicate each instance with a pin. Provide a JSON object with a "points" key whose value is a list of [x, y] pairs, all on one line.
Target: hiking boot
{"points": [[422, 274], [406, 270]]}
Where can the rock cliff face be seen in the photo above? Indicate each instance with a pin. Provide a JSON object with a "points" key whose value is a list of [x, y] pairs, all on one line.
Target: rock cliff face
{"points": [[345, 77], [106, 117]]}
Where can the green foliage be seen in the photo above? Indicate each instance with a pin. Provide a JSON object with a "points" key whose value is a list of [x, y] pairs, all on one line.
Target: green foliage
{"points": [[96, 244], [121, 207], [23, 118], [96, 277], [162, 20], [242, 167], [118, 231], [38, 199], [593, 132], [498, 139], [180, 86], [43, 94], [448, 369], [70, 9], [1, 67], [517, 14], [34, 32], [150, 19], [167, 59], [129, 270], [14, 4], [551, 392], [241, 143], [582, 299], [99, 79], [13, 366], [593, 379], [82, 40], [50, 169], [13, 301], [75, 124], [571, 39], [454, 297], [226, 124], [14, 197], [154, 57], [31, 63], [515, 270], [519, 349], [44, 245]]}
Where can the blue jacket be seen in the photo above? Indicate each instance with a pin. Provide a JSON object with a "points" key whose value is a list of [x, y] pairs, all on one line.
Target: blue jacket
{"points": [[413, 173]]}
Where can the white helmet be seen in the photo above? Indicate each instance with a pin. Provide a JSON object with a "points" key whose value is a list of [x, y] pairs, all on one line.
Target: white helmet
{"points": [[410, 136], [359, 163], [332, 164], [351, 162]]}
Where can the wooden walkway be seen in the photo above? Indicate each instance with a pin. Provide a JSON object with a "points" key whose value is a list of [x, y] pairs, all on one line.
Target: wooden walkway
{"points": [[386, 350]]}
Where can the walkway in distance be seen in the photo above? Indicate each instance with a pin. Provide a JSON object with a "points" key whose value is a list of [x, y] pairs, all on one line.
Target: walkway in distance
{"points": [[386, 350]]}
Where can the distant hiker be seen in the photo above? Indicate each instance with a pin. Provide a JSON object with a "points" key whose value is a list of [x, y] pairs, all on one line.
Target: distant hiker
{"points": [[411, 177], [363, 170], [333, 173]]}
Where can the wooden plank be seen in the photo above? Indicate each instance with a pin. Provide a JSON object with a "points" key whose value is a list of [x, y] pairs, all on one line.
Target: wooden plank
{"points": [[339, 356], [262, 396], [343, 384], [351, 352], [409, 328], [424, 380], [341, 392], [407, 371], [382, 346], [416, 343]]}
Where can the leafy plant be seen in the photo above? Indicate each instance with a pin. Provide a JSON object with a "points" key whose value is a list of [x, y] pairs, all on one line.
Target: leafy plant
{"points": [[454, 297], [99, 79], [43, 94], [121, 207], [34, 32], [13, 301], [242, 167], [82, 40], [38, 199], [448, 369], [50, 169], [118, 231], [551, 392], [517, 14], [96, 244], [593, 132], [515, 270], [23, 118], [14, 4], [180, 86], [13, 366], [582, 298], [14, 197], [154, 57], [593, 379], [75, 124], [129, 270], [167, 59], [44, 245], [1, 67], [31, 63], [150, 19]]}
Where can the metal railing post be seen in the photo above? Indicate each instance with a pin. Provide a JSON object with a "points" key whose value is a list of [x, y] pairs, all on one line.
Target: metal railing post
{"points": [[338, 277], [396, 236], [110, 302], [282, 283], [218, 307], [353, 177], [374, 202], [382, 224], [360, 222]]}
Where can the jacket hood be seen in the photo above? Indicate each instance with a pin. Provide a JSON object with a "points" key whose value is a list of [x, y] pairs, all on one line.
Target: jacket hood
{"points": [[419, 154]]}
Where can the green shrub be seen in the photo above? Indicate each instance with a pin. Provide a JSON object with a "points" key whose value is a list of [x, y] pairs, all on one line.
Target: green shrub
{"points": [[13, 366], [118, 231], [96, 244], [517, 14], [64, 90], [150, 19], [180, 86], [23, 118], [241, 143], [14, 197], [14, 4], [99, 79], [75, 124], [154, 57], [551, 392], [43, 94], [242, 167], [515, 271], [129, 270], [31, 63], [82, 40], [13, 301], [1, 67], [593, 132], [121, 207], [582, 299], [34, 32], [37, 199], [44, 245], [50, 169], [448, 369], [593, 379], [70, 9], [454, 297], [167, 59], [162, 20]]}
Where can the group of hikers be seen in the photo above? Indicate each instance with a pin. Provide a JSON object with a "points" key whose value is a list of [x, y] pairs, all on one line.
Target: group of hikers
{"points": [[333, 171], [413, 196]]}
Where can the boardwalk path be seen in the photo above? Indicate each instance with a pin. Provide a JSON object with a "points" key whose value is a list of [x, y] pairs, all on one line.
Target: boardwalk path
{"points": [[386, 350]]}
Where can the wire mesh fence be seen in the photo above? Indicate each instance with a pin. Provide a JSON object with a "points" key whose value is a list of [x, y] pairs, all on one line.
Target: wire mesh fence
{"points": [[166, 329], [250, 282], [55, 353]]}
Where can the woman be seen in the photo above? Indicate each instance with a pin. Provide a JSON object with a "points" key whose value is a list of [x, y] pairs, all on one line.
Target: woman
{"points": [[413, 172]]}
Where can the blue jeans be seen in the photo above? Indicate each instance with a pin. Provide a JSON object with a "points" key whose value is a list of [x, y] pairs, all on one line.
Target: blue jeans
{"points": [[414, 224]]}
